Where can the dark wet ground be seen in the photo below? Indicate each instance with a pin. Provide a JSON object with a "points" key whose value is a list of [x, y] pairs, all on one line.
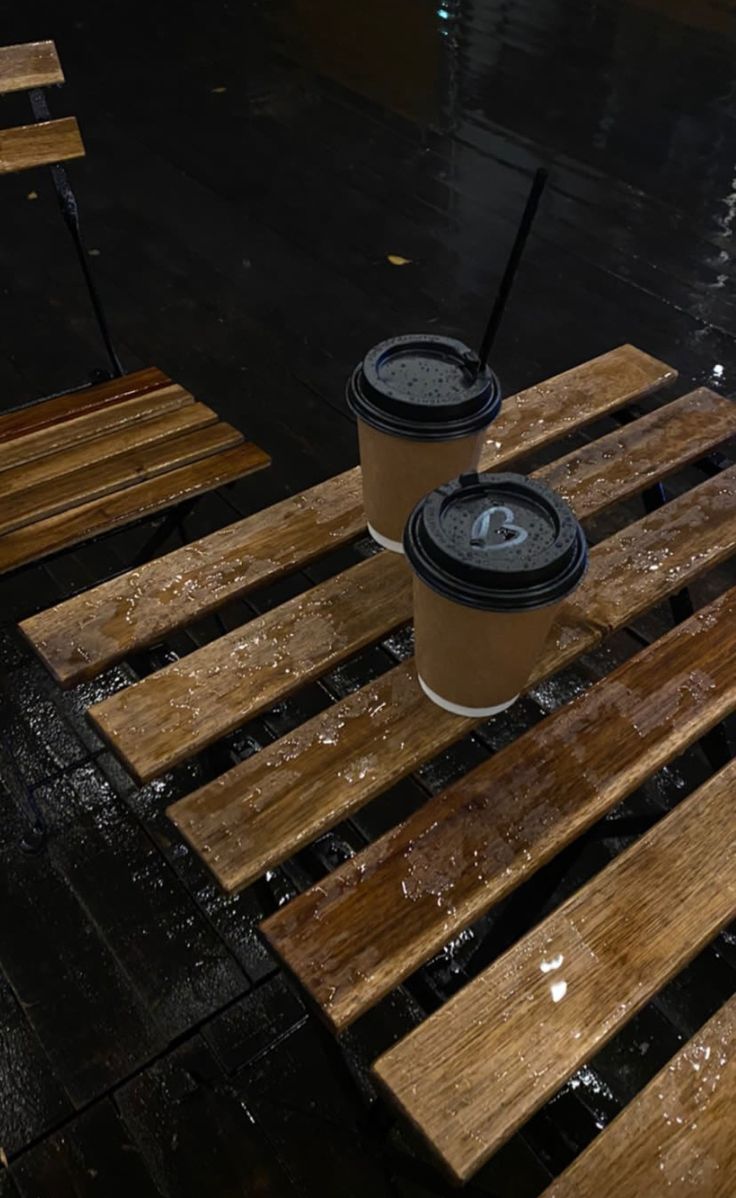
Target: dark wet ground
{"points": [[251, 168]]}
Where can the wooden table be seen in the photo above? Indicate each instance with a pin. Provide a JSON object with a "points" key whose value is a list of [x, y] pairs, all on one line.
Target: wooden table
{"points": [[474, 1071]]}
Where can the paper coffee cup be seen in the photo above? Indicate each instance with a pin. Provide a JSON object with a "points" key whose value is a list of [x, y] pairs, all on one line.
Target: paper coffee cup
{"points": [[493, 557], [423, 406]]}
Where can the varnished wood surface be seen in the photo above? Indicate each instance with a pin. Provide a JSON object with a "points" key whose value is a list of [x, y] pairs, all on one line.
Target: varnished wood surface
{"points": [[212, 691], [56, 439], [78, 638], [107, 447], [91, 519], [39, 145], [267, 807], [614, 467], [563, 403], [178, 710], [478, 1068], [194, 581], [33, 64], [35, 416], [106, 475], [367, 926], [676, 1137]]}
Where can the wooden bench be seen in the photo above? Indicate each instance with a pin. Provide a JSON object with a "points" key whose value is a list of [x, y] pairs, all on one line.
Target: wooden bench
{"points": [[477, 1069], [367, 926], [139, 608], [83, 463], [677, 1136], [152, 726]]}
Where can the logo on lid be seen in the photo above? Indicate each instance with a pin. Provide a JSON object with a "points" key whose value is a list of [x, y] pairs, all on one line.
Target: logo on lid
{"points": [[487, 533]]}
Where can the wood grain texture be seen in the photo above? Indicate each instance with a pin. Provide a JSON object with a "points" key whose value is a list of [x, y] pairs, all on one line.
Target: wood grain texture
{"points": [[134, 435], [58, 438], [181, 709], [80, 637], [543, 413], [476, 1070], [266, 808], [135, 610], [677, 1136], [375, 920], [92, 519], [210, 692], [104, 476], [617, 466], [39, 145], [35, 416], [33, 64]]}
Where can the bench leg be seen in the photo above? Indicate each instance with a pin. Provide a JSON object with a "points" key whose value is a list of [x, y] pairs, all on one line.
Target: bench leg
{"points": [[70, 212]]}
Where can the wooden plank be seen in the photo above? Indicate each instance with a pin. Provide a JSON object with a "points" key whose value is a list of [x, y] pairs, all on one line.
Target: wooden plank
{"points": [[104, 448], [92, 519], [479, 1068], [677, 1135], [196, 580], [35, 416], [216, 689], [33, 64], [550, 410], [104, 476], [59, 438], [262, 811], [40, 145], [371, 923], [611, 469]]}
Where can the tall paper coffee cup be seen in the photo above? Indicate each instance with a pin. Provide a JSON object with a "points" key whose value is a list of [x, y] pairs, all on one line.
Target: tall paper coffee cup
{"points": [[494, 556], [423, 405]]}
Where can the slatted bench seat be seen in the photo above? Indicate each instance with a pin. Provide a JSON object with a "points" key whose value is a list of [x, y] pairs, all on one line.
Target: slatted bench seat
{"points": [[478, 1068], [364, 928], [153, 726], [677, 1136], [367, 926], [81, 464], [77, 640]]}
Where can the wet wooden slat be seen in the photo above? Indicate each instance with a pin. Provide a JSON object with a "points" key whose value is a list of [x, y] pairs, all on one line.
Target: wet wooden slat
{"points": [[106, 448], [612, 468], [478, 1068], [39, 145], [375, 920], [136, 609], [33, 64], [563, 403], [214, 690], [264, 810], [35, 416], [678, 1132], [92, 519], [105, 476], [57, 438]]}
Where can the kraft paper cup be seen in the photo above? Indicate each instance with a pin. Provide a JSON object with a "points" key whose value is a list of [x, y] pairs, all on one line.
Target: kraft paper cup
{"points": [[494, 556], [423, 406]]}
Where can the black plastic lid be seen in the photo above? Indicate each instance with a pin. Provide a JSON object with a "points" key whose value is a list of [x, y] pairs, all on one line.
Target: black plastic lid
{"points": [[499, 542], [424, 387]]}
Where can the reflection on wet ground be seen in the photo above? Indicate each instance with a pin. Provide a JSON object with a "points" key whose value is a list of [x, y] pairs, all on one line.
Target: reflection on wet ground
{"points": [[271, 187]]}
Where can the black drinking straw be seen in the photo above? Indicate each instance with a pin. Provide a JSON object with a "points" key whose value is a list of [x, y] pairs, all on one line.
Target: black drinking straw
{"points": [[507, 282]]}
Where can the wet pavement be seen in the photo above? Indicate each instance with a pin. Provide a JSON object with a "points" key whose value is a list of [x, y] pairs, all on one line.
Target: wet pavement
{"points": [[269, 189]]}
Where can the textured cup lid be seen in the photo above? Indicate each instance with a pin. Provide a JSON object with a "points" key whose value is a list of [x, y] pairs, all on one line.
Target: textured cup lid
{"points": [[425, 387], [501, 542]]}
